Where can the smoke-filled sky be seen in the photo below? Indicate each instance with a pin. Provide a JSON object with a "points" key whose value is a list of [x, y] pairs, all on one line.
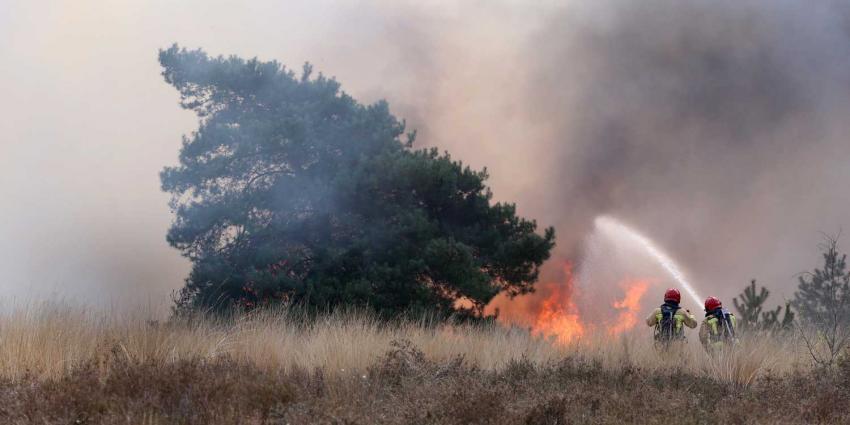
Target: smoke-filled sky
{"points": [[717, 128]]}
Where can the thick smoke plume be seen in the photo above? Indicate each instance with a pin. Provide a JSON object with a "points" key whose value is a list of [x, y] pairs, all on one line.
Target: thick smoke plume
{"points": [[717, 128]]}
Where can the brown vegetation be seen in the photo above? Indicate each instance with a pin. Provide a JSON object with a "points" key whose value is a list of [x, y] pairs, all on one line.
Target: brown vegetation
{"points": [[62, 366]]}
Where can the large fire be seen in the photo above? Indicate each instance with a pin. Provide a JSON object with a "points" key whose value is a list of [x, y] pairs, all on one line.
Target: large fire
{"points": [[558, 316], [629, 307], [551, 312]]}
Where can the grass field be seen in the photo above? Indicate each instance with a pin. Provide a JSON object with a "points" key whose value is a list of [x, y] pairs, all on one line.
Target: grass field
{"points": [[66, 365]]}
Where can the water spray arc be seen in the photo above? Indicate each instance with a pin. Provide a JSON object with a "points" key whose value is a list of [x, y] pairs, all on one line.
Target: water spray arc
{"points": [[615, 228]]}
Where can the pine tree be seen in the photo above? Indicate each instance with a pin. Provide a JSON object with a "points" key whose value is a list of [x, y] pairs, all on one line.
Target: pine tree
{"points": [[823, 301], [823, 295], [750, 311], [770, 319], [292, 191]]}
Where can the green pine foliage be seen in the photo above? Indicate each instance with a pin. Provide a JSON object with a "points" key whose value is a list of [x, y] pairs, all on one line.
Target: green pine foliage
{"points": [[823, 296], [823, 300], [754, 319], [292, 191]]}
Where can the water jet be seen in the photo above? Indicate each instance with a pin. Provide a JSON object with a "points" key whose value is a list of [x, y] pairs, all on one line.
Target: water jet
{"points": [[619, 231]]}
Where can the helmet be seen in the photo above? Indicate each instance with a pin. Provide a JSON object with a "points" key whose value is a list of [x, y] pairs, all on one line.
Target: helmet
{"points": [[672, 294], [712, 303]]}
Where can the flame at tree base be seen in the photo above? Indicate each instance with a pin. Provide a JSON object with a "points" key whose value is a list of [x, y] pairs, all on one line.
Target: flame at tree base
{"points": [[552, 313], [629, 307], [558, 316]]}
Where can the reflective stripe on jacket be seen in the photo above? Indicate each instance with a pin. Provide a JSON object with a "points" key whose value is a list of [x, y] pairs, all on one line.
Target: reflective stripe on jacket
{"points": [[681, 317], [710, 333]]}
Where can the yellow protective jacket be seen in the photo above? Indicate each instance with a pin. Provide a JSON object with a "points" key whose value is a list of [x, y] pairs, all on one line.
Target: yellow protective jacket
{"points": [[682, 317], [711, 334]]}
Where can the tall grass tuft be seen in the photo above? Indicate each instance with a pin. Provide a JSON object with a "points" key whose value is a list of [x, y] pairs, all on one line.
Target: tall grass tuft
{"points": [[49, 340]]}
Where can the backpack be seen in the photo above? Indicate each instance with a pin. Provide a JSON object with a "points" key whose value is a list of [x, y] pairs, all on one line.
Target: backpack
{"points": [[725, 326], [666, 329]]}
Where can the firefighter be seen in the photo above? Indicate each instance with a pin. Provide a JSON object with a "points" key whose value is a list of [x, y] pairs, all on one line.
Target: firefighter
{"points": [[719, 326], [669, 318]]}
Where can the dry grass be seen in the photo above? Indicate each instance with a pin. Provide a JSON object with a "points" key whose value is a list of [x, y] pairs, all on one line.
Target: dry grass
{"points": [[755, 355], [60, 364], [50, 340]]}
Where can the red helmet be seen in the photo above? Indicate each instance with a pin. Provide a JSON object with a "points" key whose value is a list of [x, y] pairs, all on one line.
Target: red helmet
{"points": [[712, 303], [672, 294]]}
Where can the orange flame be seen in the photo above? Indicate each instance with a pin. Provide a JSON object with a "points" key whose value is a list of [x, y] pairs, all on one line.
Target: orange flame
{"points": [[551, 311], [629, 307], [558, 316], [555, 321]]}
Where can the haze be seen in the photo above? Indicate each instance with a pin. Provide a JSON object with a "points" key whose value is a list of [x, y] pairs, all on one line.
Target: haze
{"points": [[718, 128]]}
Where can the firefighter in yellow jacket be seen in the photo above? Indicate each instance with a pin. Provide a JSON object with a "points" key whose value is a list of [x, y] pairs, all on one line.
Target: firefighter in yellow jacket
{"points": [[719, 326], [669, 319]]}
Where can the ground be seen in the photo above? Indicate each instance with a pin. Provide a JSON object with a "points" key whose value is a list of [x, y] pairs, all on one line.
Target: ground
{"points": [[61, 367]]}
